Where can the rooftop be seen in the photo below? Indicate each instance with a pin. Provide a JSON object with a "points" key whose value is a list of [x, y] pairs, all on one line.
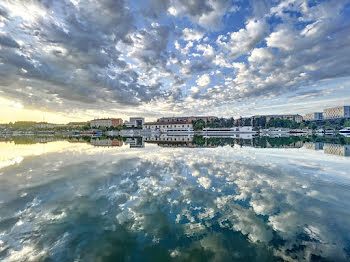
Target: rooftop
{"points": [[167, 123], [185, 117], [106, 119]]}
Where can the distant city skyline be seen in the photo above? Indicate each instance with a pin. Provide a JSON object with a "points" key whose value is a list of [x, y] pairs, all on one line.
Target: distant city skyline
{"points": [[63, 61]]}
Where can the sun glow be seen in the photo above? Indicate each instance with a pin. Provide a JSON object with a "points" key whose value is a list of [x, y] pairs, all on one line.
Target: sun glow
{"points": [[11, 111]]}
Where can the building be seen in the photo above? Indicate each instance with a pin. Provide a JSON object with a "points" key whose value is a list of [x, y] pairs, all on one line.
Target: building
{"points": [[316, 116], [135, 122], [175, 126], [296, 118], [336, 112], [106, 122], [188, 119]]}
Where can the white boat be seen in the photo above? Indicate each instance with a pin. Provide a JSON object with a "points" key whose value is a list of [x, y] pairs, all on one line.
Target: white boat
{"points": [[329, 131], [345, 130], [228, 131], [319, 131], [278, 130]]}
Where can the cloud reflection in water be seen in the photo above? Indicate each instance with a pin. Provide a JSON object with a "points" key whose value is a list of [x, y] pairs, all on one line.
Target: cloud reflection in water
{"points": [[219, 204]]}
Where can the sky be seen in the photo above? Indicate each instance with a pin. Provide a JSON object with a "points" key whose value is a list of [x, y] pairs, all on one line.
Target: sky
{"points": [[75, 60]]}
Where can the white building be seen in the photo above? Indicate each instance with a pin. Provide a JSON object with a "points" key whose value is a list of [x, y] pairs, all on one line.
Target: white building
{"points": [[316, 116], [169, 126], [337, 112], [166, 138], [135, 122]]}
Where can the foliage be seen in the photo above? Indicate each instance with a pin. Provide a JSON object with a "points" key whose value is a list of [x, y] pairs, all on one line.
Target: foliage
{"points": [[284, 123], [198, 140], [220, 122], [198, 125]]}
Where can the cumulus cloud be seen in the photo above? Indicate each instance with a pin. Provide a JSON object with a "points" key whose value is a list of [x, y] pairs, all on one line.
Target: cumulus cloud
{"points": [[113, 54], [206, 13], [242, 41], [190, 34], [203, 80]]}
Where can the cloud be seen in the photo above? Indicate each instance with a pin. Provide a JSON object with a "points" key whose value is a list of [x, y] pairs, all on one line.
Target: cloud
{"points": [[190, 34], [242, 41], [107, 56], [294, 57], [203, 80], [206, 13], [8, 42]]}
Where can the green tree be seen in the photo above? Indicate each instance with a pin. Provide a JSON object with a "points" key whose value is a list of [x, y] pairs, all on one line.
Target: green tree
{"points": [[199, 140], [198, 125], [313, 126]]}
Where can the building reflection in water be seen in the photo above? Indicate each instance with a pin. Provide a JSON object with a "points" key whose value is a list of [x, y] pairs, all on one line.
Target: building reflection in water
{"points": [[329, 148], [336, 146], [135, 142], [335, 149], [106, 142]]}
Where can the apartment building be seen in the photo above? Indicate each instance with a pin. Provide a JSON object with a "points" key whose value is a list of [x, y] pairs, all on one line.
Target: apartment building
{"points": [[188, 119], [106, 122], [297, 118], [316, 116], [169, 126], [135, 122], [336, 112]]}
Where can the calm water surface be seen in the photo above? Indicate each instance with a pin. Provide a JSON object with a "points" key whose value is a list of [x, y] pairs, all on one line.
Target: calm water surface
{"points": [[64, 201]]}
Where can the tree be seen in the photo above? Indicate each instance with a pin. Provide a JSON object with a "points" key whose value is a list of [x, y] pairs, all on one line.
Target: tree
{"points": [[198, 125], [313, 126], [199, 140], [247, 121], [347, 123]]}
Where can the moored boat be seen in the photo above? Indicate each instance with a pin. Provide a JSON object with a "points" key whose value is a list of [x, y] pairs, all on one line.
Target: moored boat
{"points": [[345, 130]]}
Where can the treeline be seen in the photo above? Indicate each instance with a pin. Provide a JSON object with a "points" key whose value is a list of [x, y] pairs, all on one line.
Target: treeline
{"points": [[261, 122], [112, 128], [32, 126], [221, 122], [264, 141]]}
